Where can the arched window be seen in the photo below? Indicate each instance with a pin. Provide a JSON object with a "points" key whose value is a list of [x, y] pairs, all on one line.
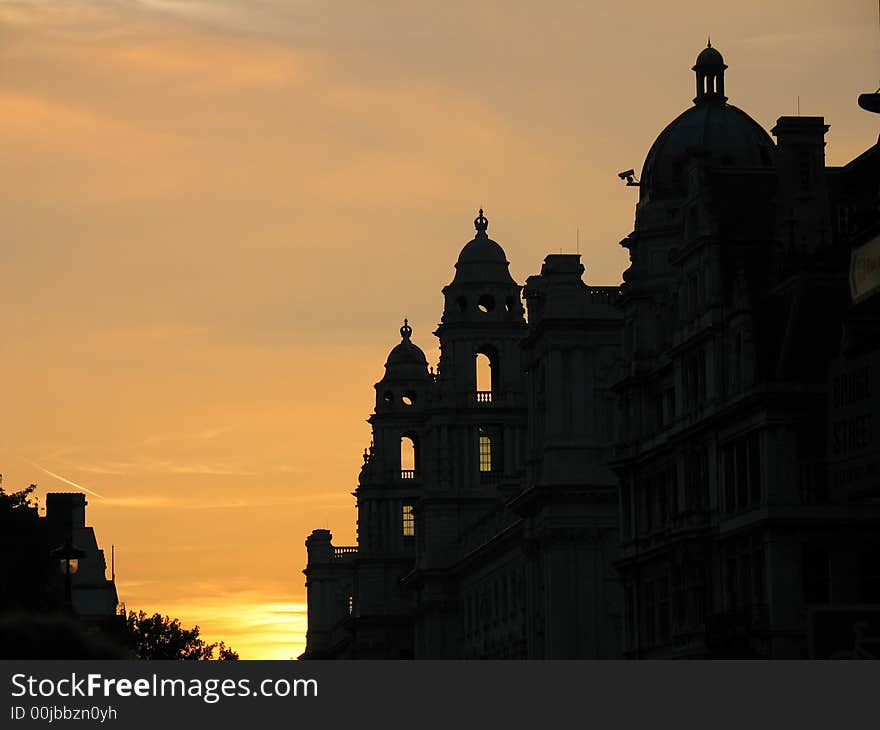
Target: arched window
{"points": [[484, 373], [407, 458], [486, 376]]}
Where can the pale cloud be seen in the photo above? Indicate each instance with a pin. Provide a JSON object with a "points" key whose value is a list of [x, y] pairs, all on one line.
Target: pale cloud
{"points": [[211, 68], [254, 501]]}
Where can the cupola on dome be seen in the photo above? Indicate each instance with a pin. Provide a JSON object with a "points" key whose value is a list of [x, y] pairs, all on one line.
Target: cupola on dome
{"points": [[709, 57], [482, 259], [406, 361], [725, 135]]}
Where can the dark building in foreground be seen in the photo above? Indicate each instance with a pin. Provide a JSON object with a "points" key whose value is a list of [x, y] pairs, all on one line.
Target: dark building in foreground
{"points": [[734, 308], [52, 565], [487, 516], [92, 596], [684, 466]]}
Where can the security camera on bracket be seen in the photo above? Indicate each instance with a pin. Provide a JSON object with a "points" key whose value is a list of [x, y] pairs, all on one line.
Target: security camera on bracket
{"points": [[629, 176]]}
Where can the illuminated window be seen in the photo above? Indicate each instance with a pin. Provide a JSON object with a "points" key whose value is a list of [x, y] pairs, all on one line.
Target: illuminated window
{"points": [[407, 458], [484, 373], [409, 521], [351, 605], [485, 453]]}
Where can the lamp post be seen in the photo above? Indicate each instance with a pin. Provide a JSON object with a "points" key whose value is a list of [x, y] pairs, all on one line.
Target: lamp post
{"points": [[68, 557]]}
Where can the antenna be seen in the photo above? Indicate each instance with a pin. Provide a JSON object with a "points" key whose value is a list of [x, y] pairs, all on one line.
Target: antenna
{"points": [[113, 562]]}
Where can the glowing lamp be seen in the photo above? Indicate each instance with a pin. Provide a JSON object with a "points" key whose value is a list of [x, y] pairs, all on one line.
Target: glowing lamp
{"points": [[68, 557]]}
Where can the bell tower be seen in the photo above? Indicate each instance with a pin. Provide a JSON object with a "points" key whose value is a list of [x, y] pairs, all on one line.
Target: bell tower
{"points": [[477, 428], [483, 323], [393, 471]]}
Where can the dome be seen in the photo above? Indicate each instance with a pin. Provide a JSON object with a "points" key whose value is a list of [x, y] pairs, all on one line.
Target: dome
{"points": [[482, 260], [482, 250], [406, 361], [725, 134], [709, 57]]}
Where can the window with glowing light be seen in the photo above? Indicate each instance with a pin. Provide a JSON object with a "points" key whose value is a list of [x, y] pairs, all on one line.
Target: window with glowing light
{"points": [[409, 521], [485, 453]]}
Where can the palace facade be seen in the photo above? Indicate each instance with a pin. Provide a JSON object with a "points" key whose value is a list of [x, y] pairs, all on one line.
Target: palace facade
{"points": [[687, 465]]}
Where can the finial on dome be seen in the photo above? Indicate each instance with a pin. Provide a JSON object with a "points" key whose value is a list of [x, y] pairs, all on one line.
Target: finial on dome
{"points": [[708, 41], [406, 330], [481, 223]]}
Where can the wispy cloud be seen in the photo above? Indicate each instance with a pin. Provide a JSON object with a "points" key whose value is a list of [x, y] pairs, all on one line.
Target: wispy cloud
{"points": [[164, 466], [65, 480], [254, 501]]}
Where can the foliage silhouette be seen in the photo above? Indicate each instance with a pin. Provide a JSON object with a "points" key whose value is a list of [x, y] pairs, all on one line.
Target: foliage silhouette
{"points": [[26, 578], [161, 637]]}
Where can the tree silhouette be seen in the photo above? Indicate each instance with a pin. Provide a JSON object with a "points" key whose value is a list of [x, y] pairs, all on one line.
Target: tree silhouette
{"points": [[161, 637], [25, 580]]}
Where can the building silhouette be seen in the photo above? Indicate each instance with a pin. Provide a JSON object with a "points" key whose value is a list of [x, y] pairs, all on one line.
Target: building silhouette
{"points": [[93, 597], [687, 465], [56, 601]]}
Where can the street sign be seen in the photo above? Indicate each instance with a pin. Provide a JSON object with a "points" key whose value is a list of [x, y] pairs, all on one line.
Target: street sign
{"points": [[864, 270]]}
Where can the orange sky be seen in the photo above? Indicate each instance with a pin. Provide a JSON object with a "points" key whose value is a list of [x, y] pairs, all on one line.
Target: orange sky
{"points": [[216, 213]]}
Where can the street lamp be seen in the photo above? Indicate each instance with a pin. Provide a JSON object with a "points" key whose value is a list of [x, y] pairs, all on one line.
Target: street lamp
{"points": [[68, 557]]}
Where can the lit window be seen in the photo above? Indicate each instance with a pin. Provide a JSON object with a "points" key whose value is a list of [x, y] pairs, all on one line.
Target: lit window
{"points": [[485, 453], [407, 458], [484, 373], [409, 521]]}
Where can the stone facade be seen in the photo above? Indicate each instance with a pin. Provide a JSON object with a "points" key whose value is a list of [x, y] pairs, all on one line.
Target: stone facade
{"points": [[684, 466], [498, 539]]}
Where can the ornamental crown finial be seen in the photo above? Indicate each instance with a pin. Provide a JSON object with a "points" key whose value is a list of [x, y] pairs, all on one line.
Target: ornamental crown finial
{"points": [[481, 223]]}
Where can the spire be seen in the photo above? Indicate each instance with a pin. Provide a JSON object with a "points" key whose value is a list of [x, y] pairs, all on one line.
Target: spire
{"points": [[481, 223], [406, 330]]}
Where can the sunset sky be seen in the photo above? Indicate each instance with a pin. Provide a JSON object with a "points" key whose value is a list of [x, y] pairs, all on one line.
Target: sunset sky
{"points": [[214, 215]]}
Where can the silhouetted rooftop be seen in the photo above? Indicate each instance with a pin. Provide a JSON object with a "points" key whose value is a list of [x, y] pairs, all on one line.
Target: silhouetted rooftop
{"points": [[406, 360], [725, 134], [709, 57], [482, 259]]}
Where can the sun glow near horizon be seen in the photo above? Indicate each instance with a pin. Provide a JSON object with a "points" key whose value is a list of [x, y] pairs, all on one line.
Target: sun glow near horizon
{"points": [[255, 627]]}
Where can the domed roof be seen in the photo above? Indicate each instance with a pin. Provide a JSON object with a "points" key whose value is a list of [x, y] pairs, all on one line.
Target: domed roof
{"points": [[725, 134], [482, 260], [709, 57], [406, 361], [482, 250]]}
